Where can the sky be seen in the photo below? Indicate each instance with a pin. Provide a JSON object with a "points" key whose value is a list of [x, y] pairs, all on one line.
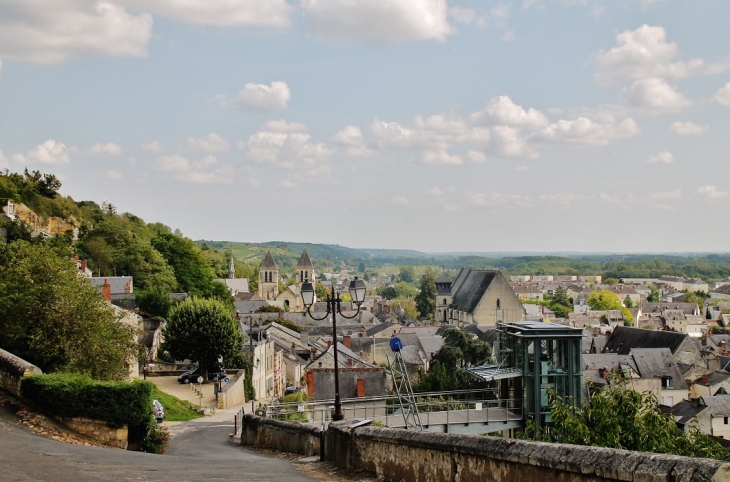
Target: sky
{"points": [[435, 125]]}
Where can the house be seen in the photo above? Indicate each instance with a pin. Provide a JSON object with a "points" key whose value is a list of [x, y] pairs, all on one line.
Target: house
{"points": [[721, 293], [711, 414], [527, 292], [623, 292], [479, 296], [684, 350], [117, 289], [711, 385], [358, 378], [687, 308]]}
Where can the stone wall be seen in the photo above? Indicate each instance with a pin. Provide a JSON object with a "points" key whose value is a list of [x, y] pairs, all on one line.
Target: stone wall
{"points": [[12, 369], [233, 392], [291, 437], [395, 455], [97, 430]]}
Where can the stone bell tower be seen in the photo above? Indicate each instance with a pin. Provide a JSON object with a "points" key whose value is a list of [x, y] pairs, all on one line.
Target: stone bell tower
{"points": [[268, 278]]}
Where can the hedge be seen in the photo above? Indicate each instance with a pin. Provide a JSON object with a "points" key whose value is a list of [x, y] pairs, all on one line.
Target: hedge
{"points": [[67, 395]]}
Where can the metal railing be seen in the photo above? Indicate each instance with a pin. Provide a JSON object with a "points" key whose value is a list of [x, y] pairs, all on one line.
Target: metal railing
{"points": [[481, 405], [238, 421]]}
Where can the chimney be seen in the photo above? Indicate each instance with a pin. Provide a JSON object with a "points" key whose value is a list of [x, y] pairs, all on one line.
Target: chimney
{"points": [[346, 341], [83, 266], [310, 383], [304, 337], [128, 286], [349, 362], [705, 380], [106, 290], [329, 343], [360, 387], [293, 347], [362, 331], [314, 353]]}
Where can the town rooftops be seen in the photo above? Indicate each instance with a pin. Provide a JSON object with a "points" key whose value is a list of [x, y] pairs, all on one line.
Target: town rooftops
{"points": [[723, 290], [688, 308], [625, 338], [719, 406]]}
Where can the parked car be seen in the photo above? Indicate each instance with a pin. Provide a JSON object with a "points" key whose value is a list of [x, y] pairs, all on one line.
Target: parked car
{"points": [[158, 411], [214, 374]]}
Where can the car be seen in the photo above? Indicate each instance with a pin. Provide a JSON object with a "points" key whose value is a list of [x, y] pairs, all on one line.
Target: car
{"points": [[158, 411], [214, 374]]}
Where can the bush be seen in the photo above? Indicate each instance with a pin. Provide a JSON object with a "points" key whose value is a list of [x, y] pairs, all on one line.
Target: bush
{"points": [[155, 442], [67, 395]]}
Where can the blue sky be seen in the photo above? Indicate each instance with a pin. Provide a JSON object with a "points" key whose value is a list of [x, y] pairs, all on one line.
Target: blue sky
{"points": [[530, 125]]}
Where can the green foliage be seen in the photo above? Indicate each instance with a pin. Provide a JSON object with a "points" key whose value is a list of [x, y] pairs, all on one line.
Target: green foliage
{"points": [[448, 370], [176, 410], [603, 300], [426, 298], [698, 297], [56, 320], [321, 291], [617, 416], [610, 281], [202, 330], [156, 440], [407, 274], [154, 301], [285, 323], [653, 296], [409, 307], [68, 395], [387, 292], [628, 303], [405, 290], [560, 296], [18, 230], [268, 309]]}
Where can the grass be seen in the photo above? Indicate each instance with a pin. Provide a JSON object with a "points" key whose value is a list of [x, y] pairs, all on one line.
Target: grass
{"points": [[176, 410]]}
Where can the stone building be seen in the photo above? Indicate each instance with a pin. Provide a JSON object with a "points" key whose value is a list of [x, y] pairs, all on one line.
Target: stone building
{"points": [[477, 296]]}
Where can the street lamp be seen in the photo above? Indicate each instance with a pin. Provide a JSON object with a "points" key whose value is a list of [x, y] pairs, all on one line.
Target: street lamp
{"points": [[357, 292]]}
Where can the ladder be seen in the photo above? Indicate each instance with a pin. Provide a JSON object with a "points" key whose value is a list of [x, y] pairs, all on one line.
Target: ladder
{"points": [[403, 388]]}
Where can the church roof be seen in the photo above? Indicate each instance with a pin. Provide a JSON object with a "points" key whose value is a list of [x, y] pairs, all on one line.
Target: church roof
{"points": [[472, 288], [444, 278], [304, 261], [268, 262]]}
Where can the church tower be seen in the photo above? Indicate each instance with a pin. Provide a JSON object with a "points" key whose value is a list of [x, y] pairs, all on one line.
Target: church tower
{"points": [[268, 278], [305, 270]]}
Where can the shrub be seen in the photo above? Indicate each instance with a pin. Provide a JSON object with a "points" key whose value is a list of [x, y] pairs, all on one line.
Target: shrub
{"points": [[155, 442], [68, 395]]}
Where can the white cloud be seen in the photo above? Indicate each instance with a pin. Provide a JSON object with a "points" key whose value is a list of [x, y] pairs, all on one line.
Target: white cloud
{"points": [[209, 143], [500, 200], [522, 169], [389, 21], [283, 126], [172, 164], [4, 163], [689, 128], [289, 150], [352, 138], [269, 13], [722, 96], [114, 175], [663, 157], [401, 200], [657, 94], [645, 52], [476, 157], [259, 97], [287, 183], [711, 193], [609, 199], [508, 143], [436, 192], [501, 110], [106, 149], [153, 146], [50, 152], [196, 172], [667, 195], [584, 131], [436, 132], [49, 32], [563, 198], [500, 10], [441, 158]]}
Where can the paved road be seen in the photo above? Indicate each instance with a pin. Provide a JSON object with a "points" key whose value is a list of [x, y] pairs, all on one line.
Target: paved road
{"points": [[199, 453]]}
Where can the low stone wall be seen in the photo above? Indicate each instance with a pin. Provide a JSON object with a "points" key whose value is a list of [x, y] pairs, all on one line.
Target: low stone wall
{"points": [[233, 393], [98, 430], [12, 369], [397, 455], [291, 437]]}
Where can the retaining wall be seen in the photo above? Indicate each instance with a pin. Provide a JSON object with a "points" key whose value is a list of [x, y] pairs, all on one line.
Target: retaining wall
{"points": [[292, 437], [396, 455], [233, 393], [12, 369], [98, 430]]}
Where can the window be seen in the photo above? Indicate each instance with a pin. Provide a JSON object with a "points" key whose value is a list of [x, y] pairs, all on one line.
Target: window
{"points": [[444, 301], [725, 420], [499, 304]]}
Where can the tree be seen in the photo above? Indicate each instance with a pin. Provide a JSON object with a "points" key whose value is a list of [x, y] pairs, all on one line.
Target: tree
{"points": [[361, 267], [653, 296], [603, 300], [154, 301], [387, 292], [405, 290], [321, 291], [426, 298], [54, 319], [560, 296], [407, 274], [610, 281], [408, 305], [628, 303], [192, 272], [202, 330]]}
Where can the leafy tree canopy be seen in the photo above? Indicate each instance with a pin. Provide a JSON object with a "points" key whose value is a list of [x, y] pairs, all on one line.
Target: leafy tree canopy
{"points": [[57, 321], [448, 369], [426, 298]]}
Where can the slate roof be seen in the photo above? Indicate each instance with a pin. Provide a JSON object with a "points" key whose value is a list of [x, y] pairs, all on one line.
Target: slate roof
{"points": [[611, 360], [685, 410], [471, 290], [444, 278], [117, 284], [688, 308], [656, 363], [378, 328], [723, 290], [714, 378], [268, 262], [304, 261], [431, 344], [236, 285], [719, 406], [459, 279], [625, 338]]}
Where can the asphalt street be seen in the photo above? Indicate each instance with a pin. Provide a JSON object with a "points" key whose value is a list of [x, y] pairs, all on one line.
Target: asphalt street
{"points": [[200, 452]]}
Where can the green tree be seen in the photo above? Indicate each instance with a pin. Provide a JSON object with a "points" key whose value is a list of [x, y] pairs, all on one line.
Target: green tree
{"points": [[405, 290], [610, 281], [628, 303], [192, 272], [448, 368], [426, 298], [321, 291], [202, 330], [407, 274], [361, 267], [387, 292], [54, 319], [154, 301], [653, 296], [560, 296], [603, 300]]}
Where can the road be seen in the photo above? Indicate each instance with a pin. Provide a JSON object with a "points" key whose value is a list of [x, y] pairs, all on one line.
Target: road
{"points": [[199, 452]]}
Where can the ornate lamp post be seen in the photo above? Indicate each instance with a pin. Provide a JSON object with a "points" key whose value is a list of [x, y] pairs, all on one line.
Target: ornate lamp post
{"points": [[357, 292]]}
